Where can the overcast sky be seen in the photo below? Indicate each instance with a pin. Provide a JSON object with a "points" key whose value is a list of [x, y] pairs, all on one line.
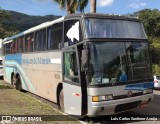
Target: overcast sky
{"points": [[47, 7]]}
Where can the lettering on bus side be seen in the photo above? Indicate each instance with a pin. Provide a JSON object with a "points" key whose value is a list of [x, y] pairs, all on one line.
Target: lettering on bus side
{"points": [[57, 76], [37, 60]]}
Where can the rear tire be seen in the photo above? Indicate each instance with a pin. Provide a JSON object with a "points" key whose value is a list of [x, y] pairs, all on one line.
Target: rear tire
{"points": [[12, 80], [61, 100], [18, 84]]}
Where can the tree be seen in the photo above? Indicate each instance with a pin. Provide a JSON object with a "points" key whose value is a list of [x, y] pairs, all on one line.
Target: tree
{"points": [[72, 6], [151, 21], [5, 31], [93, 6], [3, 15]]}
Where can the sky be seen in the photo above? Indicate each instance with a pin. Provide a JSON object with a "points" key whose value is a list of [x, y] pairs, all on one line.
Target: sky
{"points": [[48, 7]]}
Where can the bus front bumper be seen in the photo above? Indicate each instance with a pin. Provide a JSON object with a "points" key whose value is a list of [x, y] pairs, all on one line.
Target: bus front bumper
{"points": [[117, 106]]}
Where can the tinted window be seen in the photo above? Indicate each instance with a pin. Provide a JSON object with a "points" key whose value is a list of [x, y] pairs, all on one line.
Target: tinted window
{"points": [[107, 63], [71, 32], [107, 28], [70, 67], [54, 38], [137, 52], [21, 47], [118, 62], [40, 43], [14, 46], [7, 48], [29, 40], [4, 50]]}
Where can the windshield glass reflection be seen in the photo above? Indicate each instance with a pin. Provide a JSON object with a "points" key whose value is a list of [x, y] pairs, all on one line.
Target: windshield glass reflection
{"points": [[117, 62], [109, 28]]}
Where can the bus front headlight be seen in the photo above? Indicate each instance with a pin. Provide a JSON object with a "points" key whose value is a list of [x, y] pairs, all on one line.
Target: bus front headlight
{"points": [[102, 98], [146, 91]]}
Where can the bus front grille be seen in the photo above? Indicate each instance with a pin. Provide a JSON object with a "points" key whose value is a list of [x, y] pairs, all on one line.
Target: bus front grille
{"points": [[127, 106]]}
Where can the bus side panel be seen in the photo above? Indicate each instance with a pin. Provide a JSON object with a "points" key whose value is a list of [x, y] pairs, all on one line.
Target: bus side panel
{"points": [[43, 73], [40, 72], [7, 73], [11, 64]]}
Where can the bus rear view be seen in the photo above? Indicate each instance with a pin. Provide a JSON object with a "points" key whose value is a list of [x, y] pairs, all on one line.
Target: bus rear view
{"points": [[118, 70]]}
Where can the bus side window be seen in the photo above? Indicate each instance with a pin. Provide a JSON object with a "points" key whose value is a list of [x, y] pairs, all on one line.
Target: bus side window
{"points": [[12, 47], [57, 35], [54, 37], [71, 32], [50, 38], [23, 40], [37, 42], [40, 41], [8, 48], [19, 43], [43, 40], [15, 45], [70, 67], [29, 42]]}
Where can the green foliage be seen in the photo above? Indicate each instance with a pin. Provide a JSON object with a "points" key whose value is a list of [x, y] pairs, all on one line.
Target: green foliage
{"points": [[83, 4], [155, 54], [3, 16], [72, 6], [156, 69], [156, 42], [151, 21], [13, 22]]}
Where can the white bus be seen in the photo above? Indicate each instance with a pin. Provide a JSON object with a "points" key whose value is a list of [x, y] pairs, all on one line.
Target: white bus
{"points": [[89, 64]]}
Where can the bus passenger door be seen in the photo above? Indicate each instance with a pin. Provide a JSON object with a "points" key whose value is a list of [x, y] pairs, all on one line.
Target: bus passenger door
{"points": [[71, 83]]}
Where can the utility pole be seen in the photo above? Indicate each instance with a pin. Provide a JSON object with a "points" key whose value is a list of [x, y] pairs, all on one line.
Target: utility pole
{"points": [[93, 6]]}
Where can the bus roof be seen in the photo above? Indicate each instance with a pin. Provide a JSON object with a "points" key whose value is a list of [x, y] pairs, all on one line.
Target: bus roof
{"points": [[101, 15], [76, 15], [38, 27]]}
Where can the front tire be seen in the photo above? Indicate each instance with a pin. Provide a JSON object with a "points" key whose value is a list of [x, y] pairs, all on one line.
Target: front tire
{"points": [[61, 100]]}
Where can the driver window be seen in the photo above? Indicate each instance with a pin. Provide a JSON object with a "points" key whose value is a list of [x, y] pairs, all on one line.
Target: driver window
{"points": [[70, 67]]}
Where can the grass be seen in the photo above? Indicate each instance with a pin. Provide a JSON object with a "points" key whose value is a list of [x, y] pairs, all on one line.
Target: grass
{"points": [[13, 102]]}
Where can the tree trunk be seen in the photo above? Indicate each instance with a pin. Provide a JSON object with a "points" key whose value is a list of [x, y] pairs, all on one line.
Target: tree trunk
{"points": [[93, 6], [69, 7]]}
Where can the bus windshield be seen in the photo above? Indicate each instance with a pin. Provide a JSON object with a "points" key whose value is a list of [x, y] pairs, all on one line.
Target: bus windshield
{"points": [[110, 28], [112, 62]]}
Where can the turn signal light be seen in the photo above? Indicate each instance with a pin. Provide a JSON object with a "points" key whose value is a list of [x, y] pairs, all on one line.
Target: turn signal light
{"points": [[102, 98]]}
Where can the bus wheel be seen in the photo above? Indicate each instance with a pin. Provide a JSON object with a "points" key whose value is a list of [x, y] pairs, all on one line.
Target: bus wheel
{"points": [[61, 100], [18, 84], [12, 79]]}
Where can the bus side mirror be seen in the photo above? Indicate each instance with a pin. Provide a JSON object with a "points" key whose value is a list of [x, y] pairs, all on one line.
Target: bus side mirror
{"points": [[84, 59]]}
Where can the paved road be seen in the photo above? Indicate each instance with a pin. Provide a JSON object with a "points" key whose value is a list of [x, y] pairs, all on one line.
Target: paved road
{"points": [[151, 111]]}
